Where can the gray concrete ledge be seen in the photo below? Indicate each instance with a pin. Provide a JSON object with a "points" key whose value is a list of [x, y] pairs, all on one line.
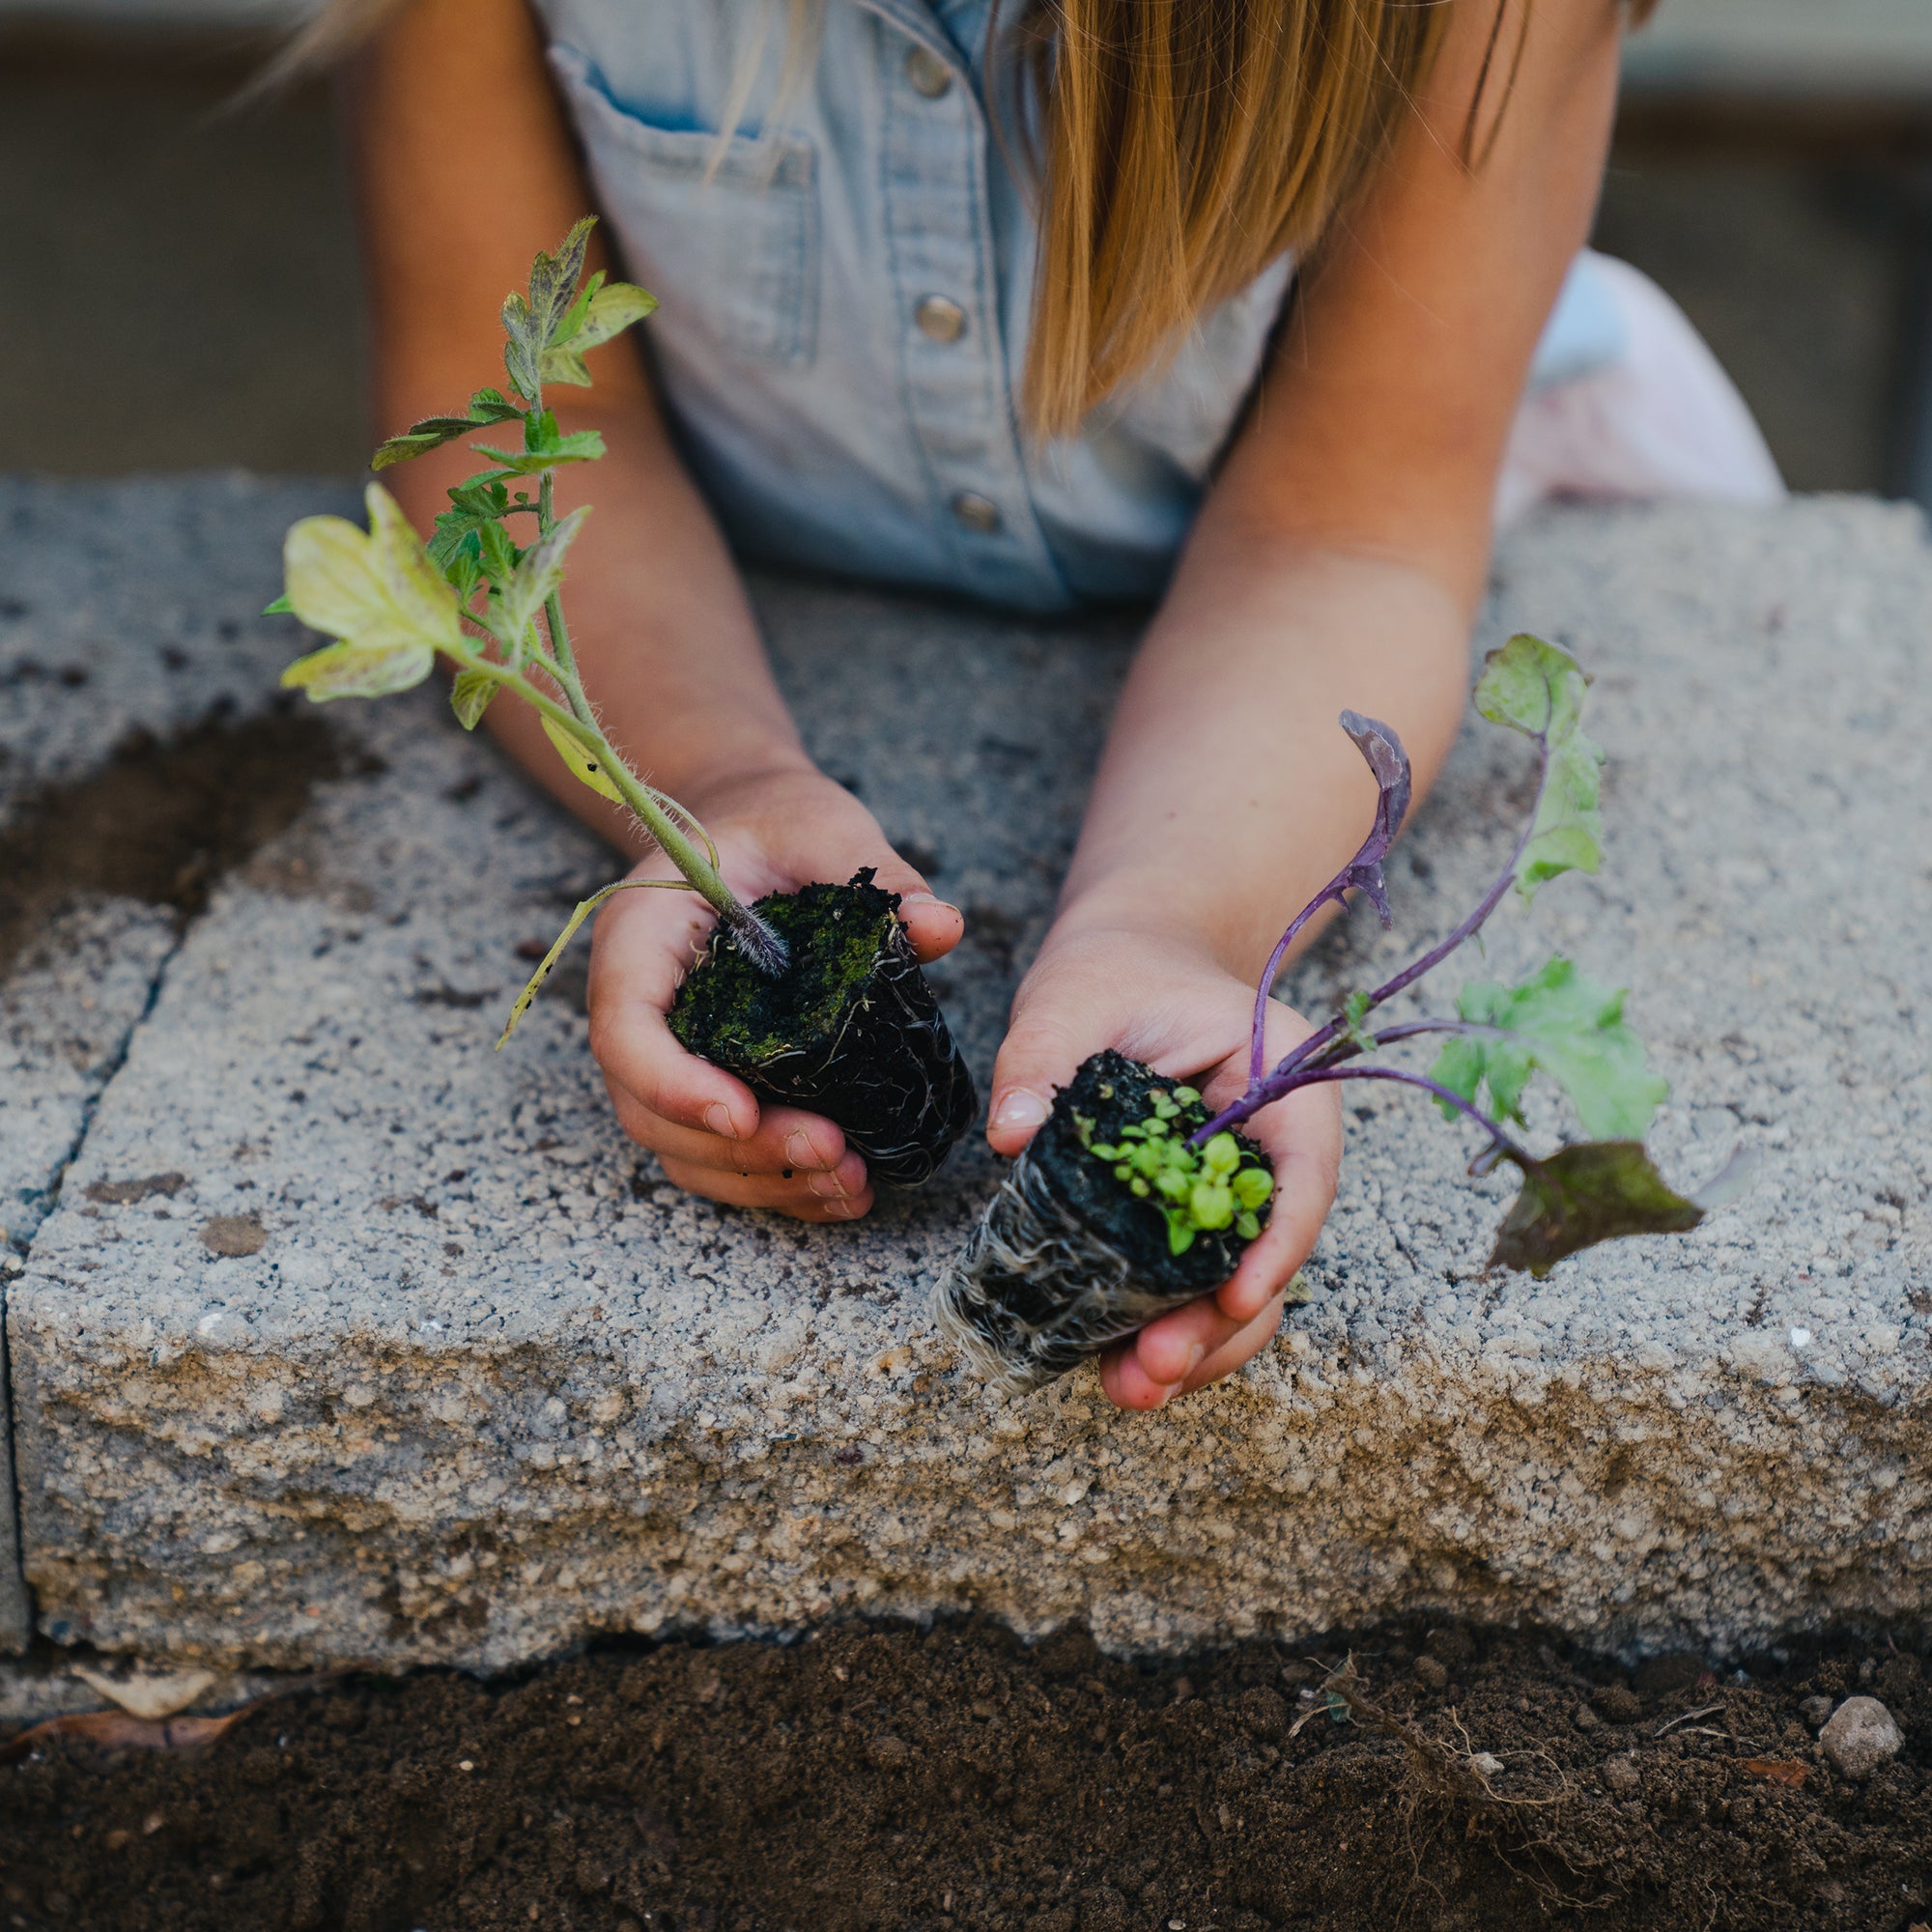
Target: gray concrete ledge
{"points": [[489, 1388]]}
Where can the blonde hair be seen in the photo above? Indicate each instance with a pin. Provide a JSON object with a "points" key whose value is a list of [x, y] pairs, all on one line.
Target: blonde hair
{"points": [[1178, 147]]}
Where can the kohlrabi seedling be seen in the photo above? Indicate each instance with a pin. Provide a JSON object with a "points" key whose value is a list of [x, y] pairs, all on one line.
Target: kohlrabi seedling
{"points": [[1132, 1199], [812, 998]]}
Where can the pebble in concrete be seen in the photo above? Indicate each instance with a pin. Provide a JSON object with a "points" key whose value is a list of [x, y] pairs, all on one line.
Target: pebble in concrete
{"points": [[489, 1386], [1861, 1735]]}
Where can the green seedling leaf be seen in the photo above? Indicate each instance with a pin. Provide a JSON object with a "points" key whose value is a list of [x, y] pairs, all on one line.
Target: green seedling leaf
{"points": [[554, 280], [523, 348], [1354, 1021], [379, 594], [1596, 1191], [584, 908], [469, 696], [1538, 690], [584, 763], [474, 506], [280, 607], [581, 445], [537, 576], [1563, 1022], [495, 553], [606, 314], [486, 407]]}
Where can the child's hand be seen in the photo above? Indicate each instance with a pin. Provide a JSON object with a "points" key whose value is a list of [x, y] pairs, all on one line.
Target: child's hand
{"points": [[775, 833], [1163, 1000]]}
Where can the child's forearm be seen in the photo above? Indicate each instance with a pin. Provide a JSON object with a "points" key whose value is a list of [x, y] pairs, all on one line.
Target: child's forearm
{"points": [[660, 626], [1228, 795]]}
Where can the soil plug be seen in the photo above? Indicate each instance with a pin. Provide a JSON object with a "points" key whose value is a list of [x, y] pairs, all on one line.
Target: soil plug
{"points": [[812, 998], [1132, 1198]]}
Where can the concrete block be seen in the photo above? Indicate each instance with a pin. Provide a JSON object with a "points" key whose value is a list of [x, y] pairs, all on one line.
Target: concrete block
{"points": [[131, 612], [488, 1386]]}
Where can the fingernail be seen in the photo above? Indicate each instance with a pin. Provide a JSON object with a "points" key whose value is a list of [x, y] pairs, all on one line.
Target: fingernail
{"points": [[842, 1209], [926, 899], [1195, 1357], [799, 1149], [1168, 1391], [827, 1185], [718, 1118], [1020, 1108]]}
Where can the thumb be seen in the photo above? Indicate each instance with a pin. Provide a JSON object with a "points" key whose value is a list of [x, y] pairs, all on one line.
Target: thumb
{"points": [[1039, 1054], [932, 926]]}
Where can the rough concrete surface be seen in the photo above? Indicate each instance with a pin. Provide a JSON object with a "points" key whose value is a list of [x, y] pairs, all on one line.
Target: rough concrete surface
{"points": [[490, 1386]]}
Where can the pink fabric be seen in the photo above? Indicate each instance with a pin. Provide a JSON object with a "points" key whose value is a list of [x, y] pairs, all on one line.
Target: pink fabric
{"points": [[1662, 421]]}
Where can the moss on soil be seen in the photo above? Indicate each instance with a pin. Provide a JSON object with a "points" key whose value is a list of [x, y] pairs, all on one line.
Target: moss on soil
{"points": [[836, 935]]}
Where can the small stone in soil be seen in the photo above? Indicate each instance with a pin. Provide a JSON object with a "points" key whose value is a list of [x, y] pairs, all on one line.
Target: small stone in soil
{"points": [[1620, 1774], [1814, 1711], [1618, 1702], [1860, 1736]]}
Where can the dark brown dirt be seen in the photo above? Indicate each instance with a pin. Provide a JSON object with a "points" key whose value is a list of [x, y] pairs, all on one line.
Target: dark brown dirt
{"points": [[160, 821], [882, 1778]]}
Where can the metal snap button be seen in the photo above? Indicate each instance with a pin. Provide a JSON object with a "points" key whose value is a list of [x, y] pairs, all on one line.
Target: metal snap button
{"points": [[940, 320], [928, 73], [977, 512]]}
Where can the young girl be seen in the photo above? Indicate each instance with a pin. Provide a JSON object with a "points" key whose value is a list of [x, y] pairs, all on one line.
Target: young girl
{"points": [[1228, 302]]}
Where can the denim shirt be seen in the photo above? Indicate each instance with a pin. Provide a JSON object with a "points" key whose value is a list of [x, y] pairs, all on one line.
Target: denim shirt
{"points": [[845, 284]]}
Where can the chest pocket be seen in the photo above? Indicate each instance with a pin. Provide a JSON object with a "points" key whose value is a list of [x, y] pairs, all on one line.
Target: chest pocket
{"points": [[729, 244]]}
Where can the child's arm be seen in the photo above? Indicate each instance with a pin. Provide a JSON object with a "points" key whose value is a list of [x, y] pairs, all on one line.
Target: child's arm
{"points": [[465, 170], [1339, 562]]}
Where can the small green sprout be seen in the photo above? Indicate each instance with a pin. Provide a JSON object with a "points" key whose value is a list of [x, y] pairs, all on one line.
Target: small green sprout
{"points": [[1198, 1191], [488, 603]]}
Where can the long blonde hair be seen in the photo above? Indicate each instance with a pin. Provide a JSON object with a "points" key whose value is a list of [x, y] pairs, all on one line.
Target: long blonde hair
{"points": [[1176, 148]]}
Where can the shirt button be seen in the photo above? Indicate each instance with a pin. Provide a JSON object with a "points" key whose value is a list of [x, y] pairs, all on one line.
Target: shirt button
{"points": [[940, 320], [977, 512], [928, 73]]}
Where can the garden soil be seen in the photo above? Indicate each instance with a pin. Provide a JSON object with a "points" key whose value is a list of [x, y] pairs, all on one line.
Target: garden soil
{"points": [[881, 1776]]}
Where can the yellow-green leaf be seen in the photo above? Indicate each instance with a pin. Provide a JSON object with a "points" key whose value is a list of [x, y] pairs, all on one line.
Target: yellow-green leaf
{"points": [[583, 763], [537, 576], [378, 593], [469, 696], [348, 670], [584, 908]]}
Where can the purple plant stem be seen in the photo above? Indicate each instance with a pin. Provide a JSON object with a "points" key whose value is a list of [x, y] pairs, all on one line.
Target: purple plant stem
{"points": [[1322, 1077], [1262, 1091], [1330, 893]]}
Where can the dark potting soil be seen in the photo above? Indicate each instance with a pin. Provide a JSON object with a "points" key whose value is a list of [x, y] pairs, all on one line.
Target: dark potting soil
{"points": [[1067, 1260], [161, 821], [881, 1780], [850, 1030], [1113, 1091]]}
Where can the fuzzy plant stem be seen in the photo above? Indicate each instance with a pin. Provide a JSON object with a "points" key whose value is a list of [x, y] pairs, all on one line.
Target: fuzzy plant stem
{"points": [[756, 939], [1265, 1090]]}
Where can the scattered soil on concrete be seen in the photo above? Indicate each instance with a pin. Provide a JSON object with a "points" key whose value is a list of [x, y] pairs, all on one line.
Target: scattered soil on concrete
{"points": [[160, 821], [885, 1778]]}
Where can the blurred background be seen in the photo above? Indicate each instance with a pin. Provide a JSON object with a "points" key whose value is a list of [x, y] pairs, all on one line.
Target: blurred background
{"points": [[181, 283]]}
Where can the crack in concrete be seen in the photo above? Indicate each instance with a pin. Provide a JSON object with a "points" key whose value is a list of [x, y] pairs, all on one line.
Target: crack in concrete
{"points": [[16, 1601]]}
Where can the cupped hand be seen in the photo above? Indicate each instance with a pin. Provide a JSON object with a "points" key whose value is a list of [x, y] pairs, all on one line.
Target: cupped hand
{"points": [[1163, 1001], [774, 833]]}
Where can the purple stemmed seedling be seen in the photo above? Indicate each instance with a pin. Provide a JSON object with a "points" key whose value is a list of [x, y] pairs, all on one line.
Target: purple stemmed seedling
{"points": [[1556, 1021]]}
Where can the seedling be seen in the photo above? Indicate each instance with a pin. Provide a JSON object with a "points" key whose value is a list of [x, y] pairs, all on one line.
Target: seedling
{"points": [[843, 1014], [1047, 1277]]}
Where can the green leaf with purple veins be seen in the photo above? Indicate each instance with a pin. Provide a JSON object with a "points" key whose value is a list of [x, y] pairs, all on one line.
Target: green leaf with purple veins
{"points": [[1563, 1022], [1538, 690], [1595, 1191]]}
